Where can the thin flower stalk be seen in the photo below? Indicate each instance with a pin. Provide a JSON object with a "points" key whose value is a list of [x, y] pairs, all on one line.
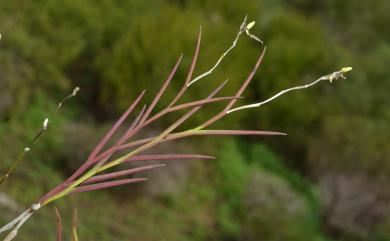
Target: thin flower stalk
{"points": [[243, 29], [330, 77], [41, 131]]}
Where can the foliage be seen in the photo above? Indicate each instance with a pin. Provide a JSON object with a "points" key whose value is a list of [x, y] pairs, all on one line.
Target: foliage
{"points": [[114, 49]]}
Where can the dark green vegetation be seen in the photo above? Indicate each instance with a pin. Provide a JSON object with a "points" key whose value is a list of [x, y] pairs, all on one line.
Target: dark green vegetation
{"points": [[327, 180]]}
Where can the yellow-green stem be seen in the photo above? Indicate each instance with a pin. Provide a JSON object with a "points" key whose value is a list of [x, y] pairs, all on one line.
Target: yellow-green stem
{"points": [[66, 191]]}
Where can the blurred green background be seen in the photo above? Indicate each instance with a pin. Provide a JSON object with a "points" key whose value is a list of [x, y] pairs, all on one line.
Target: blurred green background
{"points": [[329, 179]]}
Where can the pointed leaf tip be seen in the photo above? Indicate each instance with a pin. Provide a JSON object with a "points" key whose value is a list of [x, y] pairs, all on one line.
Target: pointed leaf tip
{"points": [[59, 224]]}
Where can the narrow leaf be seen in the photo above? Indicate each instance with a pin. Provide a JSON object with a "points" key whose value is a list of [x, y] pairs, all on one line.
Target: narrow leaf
{"points": [[201, 102], [195, 57], [190, 71], [104, 185], [168, 130], [158, 157], [128, 133], [113, 129], [161, 91], [248, 79], [92, 157], [117, 174], [238, 132], [189, 105]]}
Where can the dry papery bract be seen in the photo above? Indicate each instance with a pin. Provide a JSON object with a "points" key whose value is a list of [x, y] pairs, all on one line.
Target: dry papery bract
{"points": [[96, 172]]}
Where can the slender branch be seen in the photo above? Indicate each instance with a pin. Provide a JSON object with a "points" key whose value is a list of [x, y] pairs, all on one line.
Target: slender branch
{"points": [[44, 127], [74, 93]]}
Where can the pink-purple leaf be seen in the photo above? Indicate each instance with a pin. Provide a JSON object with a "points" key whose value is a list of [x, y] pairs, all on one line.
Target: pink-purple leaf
{"points": [[117, 174], [104, 185], [115, 127], [160, 157], [59, 224], [161, 91], [190, 71], [238, 132]]}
